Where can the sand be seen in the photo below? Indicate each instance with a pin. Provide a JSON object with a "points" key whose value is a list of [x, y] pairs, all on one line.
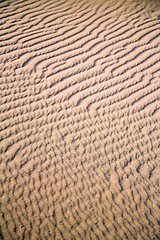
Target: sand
{"points": [[79, 119]]}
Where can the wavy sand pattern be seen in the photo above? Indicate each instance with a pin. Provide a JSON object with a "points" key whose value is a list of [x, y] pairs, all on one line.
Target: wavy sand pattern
{"points": [[80, 87]]}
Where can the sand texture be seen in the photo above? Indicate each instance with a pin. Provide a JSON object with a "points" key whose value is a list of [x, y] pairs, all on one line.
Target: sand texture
{"points": [[79, 119]]}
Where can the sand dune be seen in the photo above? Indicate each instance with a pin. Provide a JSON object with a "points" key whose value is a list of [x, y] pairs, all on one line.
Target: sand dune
{"points": [[80, 87]]}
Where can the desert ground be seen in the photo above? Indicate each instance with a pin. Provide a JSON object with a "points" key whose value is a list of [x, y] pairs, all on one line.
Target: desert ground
{"points": [[79, 119]]}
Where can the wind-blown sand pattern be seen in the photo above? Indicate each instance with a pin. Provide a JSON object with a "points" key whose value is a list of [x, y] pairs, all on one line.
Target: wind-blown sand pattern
{"points": [[80, 87]]}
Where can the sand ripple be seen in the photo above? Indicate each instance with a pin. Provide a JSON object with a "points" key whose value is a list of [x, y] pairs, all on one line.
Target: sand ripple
{"points": [[80, 87]]}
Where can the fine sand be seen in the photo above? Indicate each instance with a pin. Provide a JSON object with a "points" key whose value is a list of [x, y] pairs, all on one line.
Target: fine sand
{"points": [[79, 119]]}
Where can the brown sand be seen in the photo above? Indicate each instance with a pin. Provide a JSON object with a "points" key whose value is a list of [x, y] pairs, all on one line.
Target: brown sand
{"points": [[79, 119]]}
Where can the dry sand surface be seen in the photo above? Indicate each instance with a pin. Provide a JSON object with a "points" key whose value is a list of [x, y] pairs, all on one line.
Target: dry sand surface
{"points": [[80, 129]]}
